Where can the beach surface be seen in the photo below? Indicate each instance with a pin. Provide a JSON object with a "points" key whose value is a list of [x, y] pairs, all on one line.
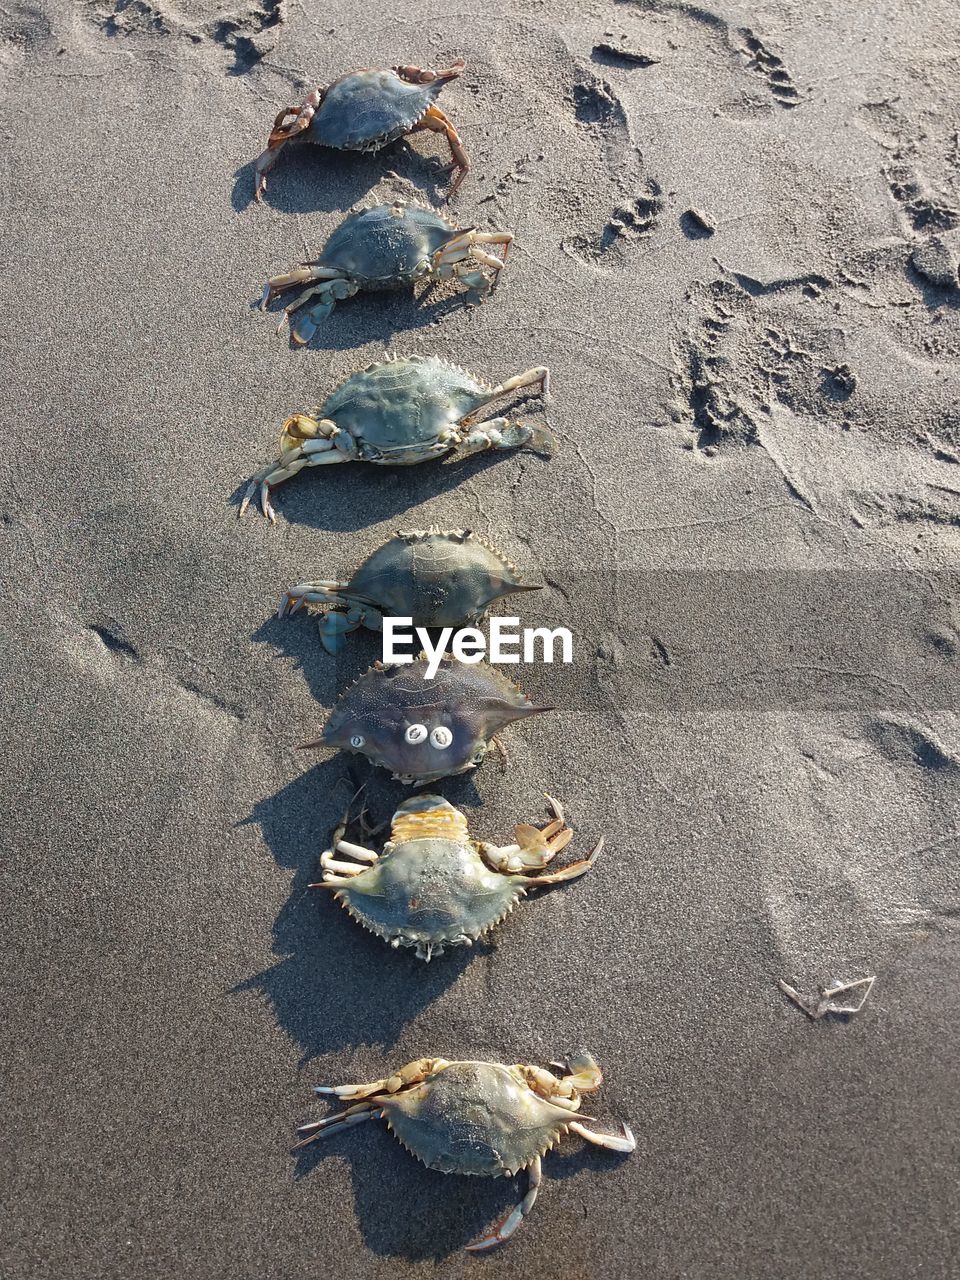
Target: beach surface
{"points": [[737, 235]]}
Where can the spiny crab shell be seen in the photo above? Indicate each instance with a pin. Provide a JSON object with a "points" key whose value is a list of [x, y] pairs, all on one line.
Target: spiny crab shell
{"points": [[383, 247], [482, 1119], [436, 577], [366, 110], [424, 729], [435, 887], [399, 412]]}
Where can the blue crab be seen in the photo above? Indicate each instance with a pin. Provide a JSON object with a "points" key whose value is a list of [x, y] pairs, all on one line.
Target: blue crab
{"points": [[435, 887], [421, 729], [400, 412], [386, 246], [365, 111], [436, 578], [482, 1119]]}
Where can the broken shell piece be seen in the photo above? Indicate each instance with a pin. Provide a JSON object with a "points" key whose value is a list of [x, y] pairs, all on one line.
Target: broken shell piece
{"points": [[828, 1001]]}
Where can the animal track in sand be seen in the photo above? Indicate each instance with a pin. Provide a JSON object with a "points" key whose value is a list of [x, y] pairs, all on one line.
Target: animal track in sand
{"points": [[741, 45], [748, 346], [770, 67], [599, 111], [104, 643], [24, 29], [629, 222], [908, 744], [880, 510], [111, 635], [915, 139], [246, 28], [926, 209], [596, 103]]}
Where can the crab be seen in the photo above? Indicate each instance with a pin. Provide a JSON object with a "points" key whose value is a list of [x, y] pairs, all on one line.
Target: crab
{"points": [[400, 412], [434, 577], [365, 111], [386, 246], [433, 886], [421, 729], [482, 1119]]}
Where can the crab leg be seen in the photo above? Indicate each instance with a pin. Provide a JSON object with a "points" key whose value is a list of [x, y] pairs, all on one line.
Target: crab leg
{"points": [[571, 871], [305, 274], [267, 159], [535, 847], [302, 115], [489, 260], [495, 237], [301, 426], [501, 433], [357, 851], [329, 863], [282, 133], [346, 1119], [538, 377], [412, 1073], [462, 245], [323, 592], [612, 1143], [459, 257], [426, 75], [509, 1223], [435, 120], [320, 452]]}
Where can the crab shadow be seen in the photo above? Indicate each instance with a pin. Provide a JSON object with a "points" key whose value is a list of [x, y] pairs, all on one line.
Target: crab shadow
{"points": [[296, 639], [405, 1210], [335, 985], [354, 495], [374, 317], [312, 179]]}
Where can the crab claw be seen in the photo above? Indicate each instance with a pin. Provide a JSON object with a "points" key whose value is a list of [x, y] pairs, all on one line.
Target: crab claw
{"points": [[611, 1141], [543, 441], [426, 75], [290, 604], [583, 1073], [510, 1221]]}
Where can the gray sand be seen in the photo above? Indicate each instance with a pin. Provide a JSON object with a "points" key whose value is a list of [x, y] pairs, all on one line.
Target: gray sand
{"points": [[768, 383]]}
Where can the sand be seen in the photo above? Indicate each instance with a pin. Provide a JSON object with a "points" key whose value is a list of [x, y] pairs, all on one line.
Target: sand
{"points": [[734, 238]]}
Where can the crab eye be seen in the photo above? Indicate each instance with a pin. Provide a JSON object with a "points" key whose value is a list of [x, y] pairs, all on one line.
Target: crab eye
{"points": [[357, 741], [441, 737], [416, 733]]}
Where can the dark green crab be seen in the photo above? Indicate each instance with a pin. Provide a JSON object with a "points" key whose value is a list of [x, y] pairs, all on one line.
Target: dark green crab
{"points": [[400, 412], [367, 110], [388, 246], [422, 729], [437, 578]]}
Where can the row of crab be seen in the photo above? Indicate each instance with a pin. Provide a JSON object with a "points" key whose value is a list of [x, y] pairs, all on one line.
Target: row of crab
{"points": [[432, 887]]}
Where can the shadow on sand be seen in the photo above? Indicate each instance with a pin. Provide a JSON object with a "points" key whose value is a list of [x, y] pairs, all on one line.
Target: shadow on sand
{"points": [[406, 1210], [312, 179], [335, 986]]}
